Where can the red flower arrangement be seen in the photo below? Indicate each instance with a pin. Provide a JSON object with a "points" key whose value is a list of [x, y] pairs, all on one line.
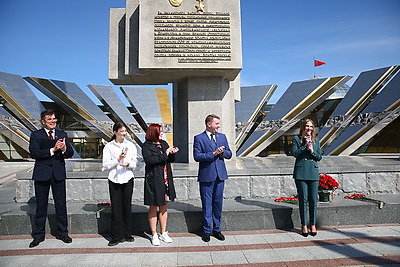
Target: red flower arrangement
{"points": [[363, 197], [355, 196], [326, 182], [291, 200], [104, 204]]}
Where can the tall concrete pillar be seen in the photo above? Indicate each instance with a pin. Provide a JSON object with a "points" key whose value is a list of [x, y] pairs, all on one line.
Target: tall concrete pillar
{"points": [[193, 100], [194, 44]]}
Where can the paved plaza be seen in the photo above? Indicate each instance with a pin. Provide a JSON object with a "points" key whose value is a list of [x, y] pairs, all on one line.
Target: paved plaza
{"points": [[364, 245]]}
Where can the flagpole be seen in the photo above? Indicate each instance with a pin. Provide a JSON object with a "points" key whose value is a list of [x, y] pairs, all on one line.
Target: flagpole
{"points": [[314, 66]]}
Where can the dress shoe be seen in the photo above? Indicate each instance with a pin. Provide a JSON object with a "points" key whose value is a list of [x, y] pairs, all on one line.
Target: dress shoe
{"points": [[129, 239], [304, 234], [65, 239], [35, 242], [313, 233], [219, 236], [114, 243], [304, 230], [206, 237]]}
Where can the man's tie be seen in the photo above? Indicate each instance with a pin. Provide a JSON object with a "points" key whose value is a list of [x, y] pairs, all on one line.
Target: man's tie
{"points": [[213, 138], [51, 135]]}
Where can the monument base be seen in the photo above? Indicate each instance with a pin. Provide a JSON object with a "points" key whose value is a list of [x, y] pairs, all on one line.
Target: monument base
{"points": [[250, 178], [194, 99], [248, 204]]}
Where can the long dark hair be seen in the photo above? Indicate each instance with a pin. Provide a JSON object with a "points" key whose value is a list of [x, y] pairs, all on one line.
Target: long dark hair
{"points": [[116, 127]]}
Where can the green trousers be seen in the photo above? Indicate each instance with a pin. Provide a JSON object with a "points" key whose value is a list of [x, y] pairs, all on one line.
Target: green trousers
{"points": [[307, 191]]}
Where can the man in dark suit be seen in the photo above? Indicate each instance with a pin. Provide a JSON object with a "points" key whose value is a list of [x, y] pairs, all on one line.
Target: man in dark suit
{"points": [[49, 146], [210, 148]]}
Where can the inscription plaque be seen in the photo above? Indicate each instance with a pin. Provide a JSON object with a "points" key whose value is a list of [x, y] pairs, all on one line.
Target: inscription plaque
{"points": [[163, 41], [193, 37]]}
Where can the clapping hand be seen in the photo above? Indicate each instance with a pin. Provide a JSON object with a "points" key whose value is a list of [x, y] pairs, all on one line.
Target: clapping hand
{"points": [[125, 164], [60, 144], [219, 150], [172, 150]]}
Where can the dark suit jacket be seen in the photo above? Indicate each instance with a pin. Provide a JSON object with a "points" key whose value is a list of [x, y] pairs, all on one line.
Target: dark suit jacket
{"points": [[306, 165], [210, 166], [46, 165]]}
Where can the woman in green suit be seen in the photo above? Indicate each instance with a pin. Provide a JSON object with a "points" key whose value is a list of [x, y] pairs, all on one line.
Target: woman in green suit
{"points": [[307, 152]]}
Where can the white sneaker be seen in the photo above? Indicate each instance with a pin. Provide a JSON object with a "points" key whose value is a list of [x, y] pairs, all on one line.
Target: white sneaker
{"points": [[154, 240], [165, 237]]}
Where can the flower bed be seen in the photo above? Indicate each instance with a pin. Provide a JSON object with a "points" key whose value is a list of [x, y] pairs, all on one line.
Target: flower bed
{"points": [[362, 197], [290, 200]]}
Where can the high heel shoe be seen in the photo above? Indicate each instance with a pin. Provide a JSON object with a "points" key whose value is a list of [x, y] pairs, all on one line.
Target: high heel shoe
{"points": [[304, 234], [304, 230], [313, 233]]}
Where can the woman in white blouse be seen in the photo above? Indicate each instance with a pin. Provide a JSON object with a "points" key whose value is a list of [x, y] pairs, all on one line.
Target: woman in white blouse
{"points": [[120, 158]]}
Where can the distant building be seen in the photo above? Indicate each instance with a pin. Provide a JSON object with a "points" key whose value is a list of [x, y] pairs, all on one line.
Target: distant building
{"points": [[361, 119]]}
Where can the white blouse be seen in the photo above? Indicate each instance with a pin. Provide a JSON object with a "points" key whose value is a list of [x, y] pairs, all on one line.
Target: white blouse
{"points": [[119, 174]]}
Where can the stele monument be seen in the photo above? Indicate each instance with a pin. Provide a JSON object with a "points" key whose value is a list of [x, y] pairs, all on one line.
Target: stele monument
{"points": [[194, 44]]}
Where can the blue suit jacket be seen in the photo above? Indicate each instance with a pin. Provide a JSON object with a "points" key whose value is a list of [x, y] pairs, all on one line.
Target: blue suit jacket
{"points": [[46, 165], [210, 166]]}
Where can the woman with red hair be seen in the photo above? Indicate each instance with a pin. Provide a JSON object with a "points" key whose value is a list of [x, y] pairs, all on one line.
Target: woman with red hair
{"points": [[159, 184]]}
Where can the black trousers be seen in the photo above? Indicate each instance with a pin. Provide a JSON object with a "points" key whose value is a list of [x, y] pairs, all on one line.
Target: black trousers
{"points": [[42, 189], [121, 208]]}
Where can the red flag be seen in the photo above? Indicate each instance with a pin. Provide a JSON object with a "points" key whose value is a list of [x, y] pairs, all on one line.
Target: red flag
{"points": [[318, 63]]}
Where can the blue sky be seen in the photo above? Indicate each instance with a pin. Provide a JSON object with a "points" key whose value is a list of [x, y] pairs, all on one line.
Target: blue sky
{"points": [[68, 40]]}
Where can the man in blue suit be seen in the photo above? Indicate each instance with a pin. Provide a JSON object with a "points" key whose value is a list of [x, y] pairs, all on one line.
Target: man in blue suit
{"points": [[210, 148], [49, 146]]}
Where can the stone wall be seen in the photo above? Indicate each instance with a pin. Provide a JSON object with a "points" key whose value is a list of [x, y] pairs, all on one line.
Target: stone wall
{"points": [[256, 182]]}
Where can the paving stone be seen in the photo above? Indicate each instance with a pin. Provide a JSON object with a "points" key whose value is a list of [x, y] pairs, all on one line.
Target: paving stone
{"points": [[197, 258], [235, 257], [261, 256]]}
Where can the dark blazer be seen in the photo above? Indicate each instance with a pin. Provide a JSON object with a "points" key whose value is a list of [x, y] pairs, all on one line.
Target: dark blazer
{"points": [[46, 165], [154, 186], [210, 166], [306, 165]]}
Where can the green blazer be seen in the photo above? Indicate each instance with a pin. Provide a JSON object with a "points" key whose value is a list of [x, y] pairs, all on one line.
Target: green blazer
{"points": [[306, 165]]}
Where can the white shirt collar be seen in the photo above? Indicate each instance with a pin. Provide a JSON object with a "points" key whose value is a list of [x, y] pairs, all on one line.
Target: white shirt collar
{"points": [[47, 131], [120, 144], [209, 135]]}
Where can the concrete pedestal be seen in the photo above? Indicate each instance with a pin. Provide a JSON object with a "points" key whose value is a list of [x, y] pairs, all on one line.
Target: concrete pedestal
{"points": [[194, 99]]}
